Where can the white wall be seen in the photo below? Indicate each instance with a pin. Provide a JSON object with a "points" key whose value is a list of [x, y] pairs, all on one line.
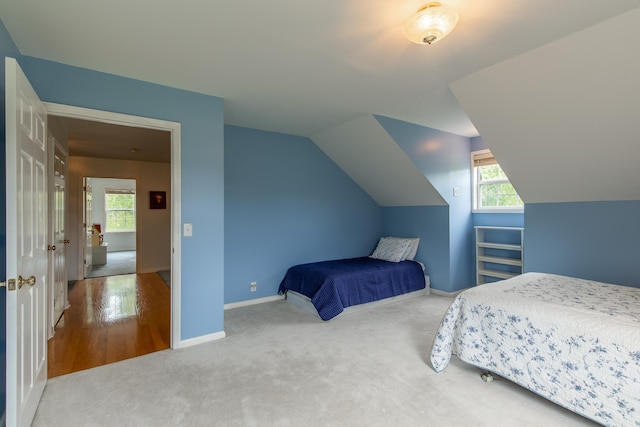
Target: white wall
{"points": [[121, 241], [154, 225]]}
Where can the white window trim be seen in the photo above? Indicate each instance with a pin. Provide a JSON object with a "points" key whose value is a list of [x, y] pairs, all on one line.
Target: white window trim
{"points": [[107, 210], [474, 190]]}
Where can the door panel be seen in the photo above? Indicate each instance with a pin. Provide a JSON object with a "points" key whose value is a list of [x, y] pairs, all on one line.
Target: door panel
{"points": [[87, 221], [57, 237], [26, 204]]}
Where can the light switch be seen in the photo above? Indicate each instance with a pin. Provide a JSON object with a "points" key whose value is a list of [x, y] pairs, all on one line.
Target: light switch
{"points": [[188, 230], [456, 191]]}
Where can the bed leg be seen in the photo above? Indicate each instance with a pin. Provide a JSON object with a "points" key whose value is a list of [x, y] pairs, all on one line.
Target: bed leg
{"points": [[487, 377]]}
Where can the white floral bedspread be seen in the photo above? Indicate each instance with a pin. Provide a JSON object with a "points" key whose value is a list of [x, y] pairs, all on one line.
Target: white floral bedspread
{"points": [[575, 342]]}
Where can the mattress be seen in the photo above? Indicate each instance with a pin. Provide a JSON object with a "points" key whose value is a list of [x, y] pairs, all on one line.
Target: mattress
{"points": [[575, 342]]}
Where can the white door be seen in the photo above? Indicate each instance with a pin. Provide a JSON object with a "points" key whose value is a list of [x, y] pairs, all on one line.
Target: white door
{"points": [[26, 192], [57, 237], [87, 221]]}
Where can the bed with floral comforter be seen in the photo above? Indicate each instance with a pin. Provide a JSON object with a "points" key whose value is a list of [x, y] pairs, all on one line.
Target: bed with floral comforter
{"points": [[575, 342]]}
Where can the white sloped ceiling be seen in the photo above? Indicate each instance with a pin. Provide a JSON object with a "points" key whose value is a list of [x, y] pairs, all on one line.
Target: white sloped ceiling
{"points": [[564, 119], [366, 152]]}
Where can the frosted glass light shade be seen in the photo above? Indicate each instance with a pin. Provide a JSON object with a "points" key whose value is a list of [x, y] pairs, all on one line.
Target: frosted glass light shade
{"points": [[431, 23]]}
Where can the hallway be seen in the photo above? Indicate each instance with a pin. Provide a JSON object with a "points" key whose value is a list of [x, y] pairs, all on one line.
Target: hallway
{"points": [[111, 319]]}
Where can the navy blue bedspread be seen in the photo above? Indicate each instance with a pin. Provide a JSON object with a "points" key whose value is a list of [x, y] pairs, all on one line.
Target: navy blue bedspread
{"points": [[335, 285]]}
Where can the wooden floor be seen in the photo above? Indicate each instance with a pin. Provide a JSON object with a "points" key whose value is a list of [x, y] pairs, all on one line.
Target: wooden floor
{"points": [[111, 319]]}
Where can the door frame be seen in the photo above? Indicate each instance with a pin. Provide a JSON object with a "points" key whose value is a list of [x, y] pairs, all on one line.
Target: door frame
{"points": [[88, 182], [62, 110]]}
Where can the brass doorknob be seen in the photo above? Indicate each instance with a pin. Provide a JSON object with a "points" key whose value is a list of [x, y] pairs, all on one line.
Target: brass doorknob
{"points": [[51, 247], [30, 281], [66, 241]]}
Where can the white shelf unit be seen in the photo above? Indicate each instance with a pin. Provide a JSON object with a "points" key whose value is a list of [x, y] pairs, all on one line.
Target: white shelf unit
{"points": [[496, 259]]}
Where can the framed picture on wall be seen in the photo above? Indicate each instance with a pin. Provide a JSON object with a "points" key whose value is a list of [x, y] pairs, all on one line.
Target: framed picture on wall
{"points": [[157, 200]]}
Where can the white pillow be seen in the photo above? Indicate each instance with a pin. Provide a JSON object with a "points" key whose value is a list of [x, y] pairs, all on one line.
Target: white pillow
{"points": [[412, 249], [391, 249]]}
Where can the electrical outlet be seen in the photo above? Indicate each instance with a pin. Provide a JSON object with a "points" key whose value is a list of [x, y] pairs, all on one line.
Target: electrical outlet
{"points": [[254, 286]]}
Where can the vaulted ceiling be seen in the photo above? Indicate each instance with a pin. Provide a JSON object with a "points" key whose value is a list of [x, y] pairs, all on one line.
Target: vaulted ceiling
{"points": [[293, 66], [544, 82], [562, 119]]}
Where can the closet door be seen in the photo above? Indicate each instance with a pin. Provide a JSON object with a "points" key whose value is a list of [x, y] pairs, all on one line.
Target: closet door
{"points": [[58, 239]]}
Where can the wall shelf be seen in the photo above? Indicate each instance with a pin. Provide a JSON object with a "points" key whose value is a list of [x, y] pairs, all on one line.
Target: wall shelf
{"points": [[499, 253]]}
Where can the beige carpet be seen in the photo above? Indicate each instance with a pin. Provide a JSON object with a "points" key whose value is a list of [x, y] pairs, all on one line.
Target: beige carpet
{"points": [[279, 366]]}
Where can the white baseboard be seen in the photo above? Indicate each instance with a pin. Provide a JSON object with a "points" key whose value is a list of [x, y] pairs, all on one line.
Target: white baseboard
{"points": [[219, 335], [152, 270], [253, 302], [202, 339]]}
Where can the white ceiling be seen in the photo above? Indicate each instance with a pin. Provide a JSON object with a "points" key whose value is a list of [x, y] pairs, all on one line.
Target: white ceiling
{"points": [[110, 141], [293, 66]]}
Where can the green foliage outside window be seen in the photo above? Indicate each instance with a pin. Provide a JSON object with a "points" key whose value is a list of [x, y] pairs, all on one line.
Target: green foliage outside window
{"points": [[121, 212], [495, 189]]}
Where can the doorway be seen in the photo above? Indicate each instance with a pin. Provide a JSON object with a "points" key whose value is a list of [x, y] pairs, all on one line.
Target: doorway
{"points": [[113, 214], [173, 206]]}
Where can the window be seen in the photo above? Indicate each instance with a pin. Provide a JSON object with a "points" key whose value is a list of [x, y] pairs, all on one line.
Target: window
{"points": [[492, 190], [120, 210]]}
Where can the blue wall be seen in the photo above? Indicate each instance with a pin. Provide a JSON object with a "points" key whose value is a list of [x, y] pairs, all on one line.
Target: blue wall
{"points": [[202, 163], [590, 240], [443, 158], [287, 203], [7, 48], [431, 225]]}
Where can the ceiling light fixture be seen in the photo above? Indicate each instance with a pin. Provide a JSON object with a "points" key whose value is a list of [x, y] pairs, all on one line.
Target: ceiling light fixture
{"points": [[431, 23]]}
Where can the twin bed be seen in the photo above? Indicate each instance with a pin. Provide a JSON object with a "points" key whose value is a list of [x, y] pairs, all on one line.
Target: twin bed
{"points": [[575, 342], [328, 288]]}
